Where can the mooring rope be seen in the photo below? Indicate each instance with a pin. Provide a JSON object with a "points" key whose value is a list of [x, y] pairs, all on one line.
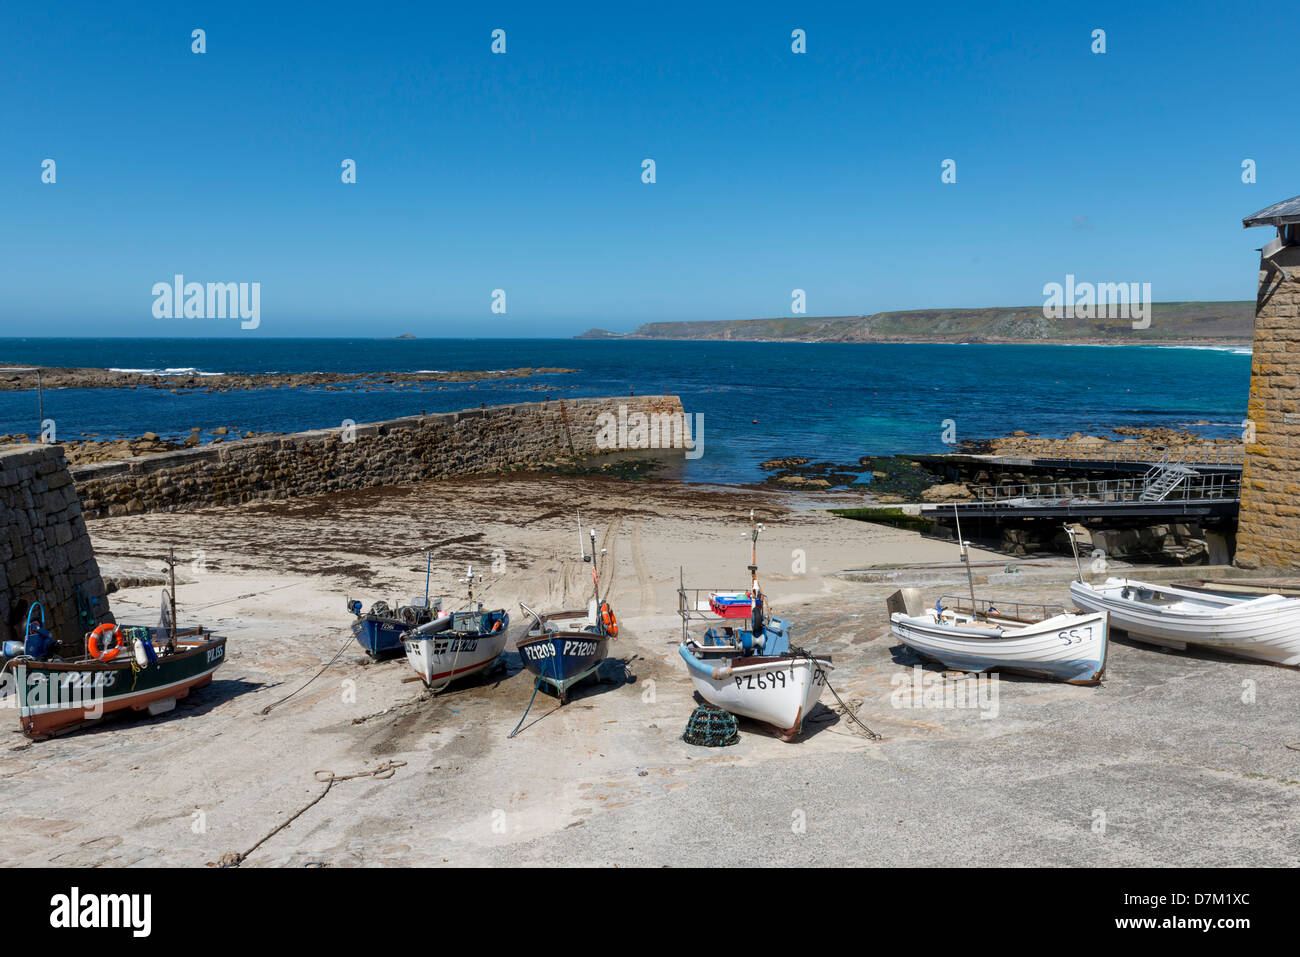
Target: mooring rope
{"points": [[529, 708], [848, 712], [381, 773], [328, 664], [251, 594]]}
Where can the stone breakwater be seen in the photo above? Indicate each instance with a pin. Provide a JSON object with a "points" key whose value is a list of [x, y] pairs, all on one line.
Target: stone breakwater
{"points": [[396, 452], [45, 552]]}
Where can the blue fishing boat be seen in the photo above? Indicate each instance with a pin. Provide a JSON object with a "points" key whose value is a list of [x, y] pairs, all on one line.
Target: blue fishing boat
{"points": [[381, 629], [565, 647]]}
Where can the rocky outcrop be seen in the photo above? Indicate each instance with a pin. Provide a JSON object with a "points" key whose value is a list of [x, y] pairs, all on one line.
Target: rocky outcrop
{"points": [[952, 492], [23, 378], [1136, 444], [1179, 543]]}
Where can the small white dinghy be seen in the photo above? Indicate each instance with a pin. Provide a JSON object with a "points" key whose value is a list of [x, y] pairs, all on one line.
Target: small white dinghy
{"points": [[457, 645], [1043, 641], [1263, 628]]}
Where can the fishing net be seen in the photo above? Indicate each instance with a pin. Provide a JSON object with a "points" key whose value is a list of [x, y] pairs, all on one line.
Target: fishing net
{"points": [[711, 727]]}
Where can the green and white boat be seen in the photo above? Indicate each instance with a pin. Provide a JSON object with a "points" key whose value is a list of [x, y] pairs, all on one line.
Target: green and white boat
{"points": [[121, 667], [55, 695]]}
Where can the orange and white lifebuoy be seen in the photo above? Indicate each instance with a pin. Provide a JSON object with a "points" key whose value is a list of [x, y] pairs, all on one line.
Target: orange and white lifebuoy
{"points": [[608, 620], [111, 648]]}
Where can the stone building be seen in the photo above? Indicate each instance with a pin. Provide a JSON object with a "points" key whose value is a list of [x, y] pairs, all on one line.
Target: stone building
{"points": [[1268, 534], [45, 552]]}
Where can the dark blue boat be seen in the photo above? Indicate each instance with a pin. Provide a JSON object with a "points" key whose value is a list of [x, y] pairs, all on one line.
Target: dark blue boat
{"points": [[380, 630], [565, 647]]}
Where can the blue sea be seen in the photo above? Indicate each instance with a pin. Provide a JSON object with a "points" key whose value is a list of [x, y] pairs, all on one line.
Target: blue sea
{"points": [[825, 401]]}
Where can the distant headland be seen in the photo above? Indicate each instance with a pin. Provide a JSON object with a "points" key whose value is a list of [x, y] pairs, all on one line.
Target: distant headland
{"points": [[1183, 323]]}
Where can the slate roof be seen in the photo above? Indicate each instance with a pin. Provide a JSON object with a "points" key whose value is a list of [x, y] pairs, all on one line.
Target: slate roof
{"points": [[1279, 214]]}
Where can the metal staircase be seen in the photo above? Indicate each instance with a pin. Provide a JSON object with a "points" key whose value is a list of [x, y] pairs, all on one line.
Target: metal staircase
{"points": [[1163, 477]]}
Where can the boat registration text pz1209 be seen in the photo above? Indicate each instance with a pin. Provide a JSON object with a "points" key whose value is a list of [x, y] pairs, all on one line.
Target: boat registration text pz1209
{"points": [[572, 649]]}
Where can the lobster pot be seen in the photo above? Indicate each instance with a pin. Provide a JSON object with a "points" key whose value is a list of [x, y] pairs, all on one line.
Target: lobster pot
{"points": [[710, 727]]}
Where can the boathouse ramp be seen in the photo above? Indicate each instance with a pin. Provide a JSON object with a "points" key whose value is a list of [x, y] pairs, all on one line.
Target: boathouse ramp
{"points": [[405, 451], [45, 552]]}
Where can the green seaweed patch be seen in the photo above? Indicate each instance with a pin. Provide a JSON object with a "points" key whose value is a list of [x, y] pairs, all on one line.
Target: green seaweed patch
{"points": [[884, 516], [628, 470], [898, 475]]}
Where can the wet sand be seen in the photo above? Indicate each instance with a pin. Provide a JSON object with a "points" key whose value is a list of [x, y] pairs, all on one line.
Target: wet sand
{"points": [[1141, 770]]}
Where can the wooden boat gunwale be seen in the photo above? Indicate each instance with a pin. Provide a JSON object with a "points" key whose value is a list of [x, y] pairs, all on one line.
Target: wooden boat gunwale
{"points": [[85, 662]]}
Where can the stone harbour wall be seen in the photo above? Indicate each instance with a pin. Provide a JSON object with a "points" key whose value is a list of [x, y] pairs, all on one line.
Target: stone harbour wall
{"points": [[397, 452], [1268, 531], [45, 552]]}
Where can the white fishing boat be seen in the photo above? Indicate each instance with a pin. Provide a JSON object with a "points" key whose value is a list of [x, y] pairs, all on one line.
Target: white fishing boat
{"points": [[1265, 628], [749, 667], [1043, 641], [778, 690], [457, 645]]}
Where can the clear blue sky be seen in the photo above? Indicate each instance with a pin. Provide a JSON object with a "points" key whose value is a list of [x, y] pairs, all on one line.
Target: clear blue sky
{"points": [[523, 171]]}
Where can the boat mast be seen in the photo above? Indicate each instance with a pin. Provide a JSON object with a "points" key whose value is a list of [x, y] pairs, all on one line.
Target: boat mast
{"points": [[428, 567], [595, 578], [469, 581], [965, 557], [1074, 547], [171, 588]]}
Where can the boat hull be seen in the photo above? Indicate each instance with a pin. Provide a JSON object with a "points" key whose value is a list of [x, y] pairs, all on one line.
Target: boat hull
{"points": [[560, 659], [778, 691], [60, 694], [1070, 648], [378, 636], [1261, 629], [447, 655]]}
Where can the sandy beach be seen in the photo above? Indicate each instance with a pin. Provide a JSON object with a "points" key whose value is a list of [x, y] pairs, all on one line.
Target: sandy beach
{"points": [[1134, 772]]}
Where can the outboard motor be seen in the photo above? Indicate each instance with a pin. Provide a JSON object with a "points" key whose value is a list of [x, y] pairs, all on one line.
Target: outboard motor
{"points": [[37, 641]]}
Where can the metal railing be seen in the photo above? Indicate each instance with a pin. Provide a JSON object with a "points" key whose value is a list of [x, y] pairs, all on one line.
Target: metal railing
{"points": [[693, 608], [1195, 487], [1011, 610]]}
